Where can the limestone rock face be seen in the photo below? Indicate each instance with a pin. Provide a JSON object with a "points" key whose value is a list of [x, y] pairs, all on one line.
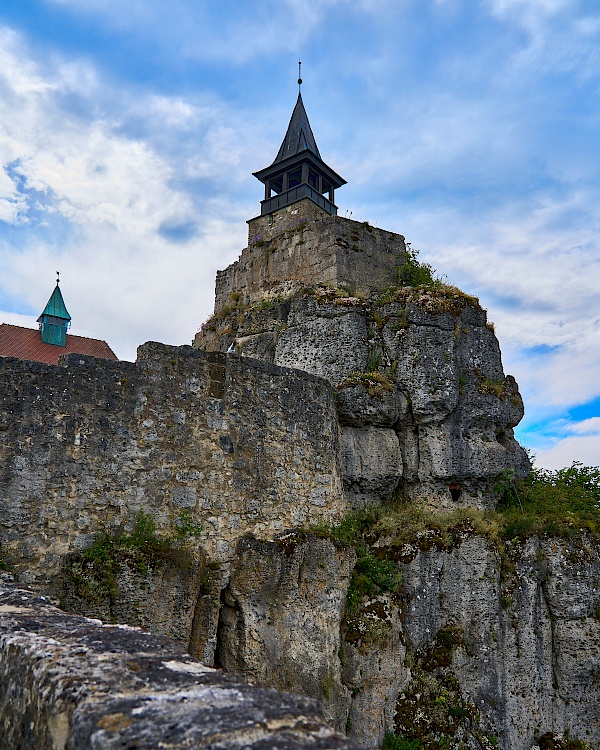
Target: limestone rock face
{"points": [[281, 614], [374, 668], [424, 363], [371, 462], [462, 651], [530, 661], [164, 598]]}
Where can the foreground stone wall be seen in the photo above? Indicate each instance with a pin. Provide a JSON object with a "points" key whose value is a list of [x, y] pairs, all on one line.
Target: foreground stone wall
{"points": [[302, 244], [242, 446], [69, 683]]}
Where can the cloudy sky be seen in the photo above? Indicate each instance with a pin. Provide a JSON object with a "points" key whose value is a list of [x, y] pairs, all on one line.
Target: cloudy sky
{"points": [[129, 130]]}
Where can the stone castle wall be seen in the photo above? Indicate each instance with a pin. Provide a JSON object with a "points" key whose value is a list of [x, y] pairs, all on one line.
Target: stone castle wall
{"points": [[243, 446], [302, 244], [70, 682]]}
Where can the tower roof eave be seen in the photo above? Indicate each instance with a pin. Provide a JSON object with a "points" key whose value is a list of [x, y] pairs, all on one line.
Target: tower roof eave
{"points": [[316, 161]]}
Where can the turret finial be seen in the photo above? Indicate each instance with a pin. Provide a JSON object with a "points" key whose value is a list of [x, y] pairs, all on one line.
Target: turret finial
{"points": [[57, 277], [299, 75]]}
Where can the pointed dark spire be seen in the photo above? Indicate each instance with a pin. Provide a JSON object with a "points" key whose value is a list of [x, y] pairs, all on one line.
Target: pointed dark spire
{"points": [[298, 171], [299, 134]]}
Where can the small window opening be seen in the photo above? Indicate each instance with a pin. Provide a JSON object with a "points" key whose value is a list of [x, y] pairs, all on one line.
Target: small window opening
{"points": [[295, 178], [455, 491]]}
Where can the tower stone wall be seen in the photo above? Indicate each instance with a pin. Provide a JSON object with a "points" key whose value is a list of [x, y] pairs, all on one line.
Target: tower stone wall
{"points": [[303, 245]]}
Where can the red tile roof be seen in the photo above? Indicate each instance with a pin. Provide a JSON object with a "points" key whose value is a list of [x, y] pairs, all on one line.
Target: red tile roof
{"points": [[26, 343]]}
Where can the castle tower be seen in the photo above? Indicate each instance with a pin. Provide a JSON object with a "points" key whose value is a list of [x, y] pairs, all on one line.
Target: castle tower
{"points": [[298, 171], [298, 239], [55, 319]]}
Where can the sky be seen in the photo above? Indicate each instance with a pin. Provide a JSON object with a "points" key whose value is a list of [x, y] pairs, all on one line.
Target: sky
{"points": [[129, 131]]}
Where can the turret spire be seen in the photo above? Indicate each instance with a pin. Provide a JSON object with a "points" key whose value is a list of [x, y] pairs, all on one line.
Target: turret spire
{"points": [[298, 171], [55, 319]]}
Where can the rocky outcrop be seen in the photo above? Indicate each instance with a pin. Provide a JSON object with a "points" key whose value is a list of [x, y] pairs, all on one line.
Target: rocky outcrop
{"points": [[464, 652], [421, 394], [280, 618], [69, 683]]}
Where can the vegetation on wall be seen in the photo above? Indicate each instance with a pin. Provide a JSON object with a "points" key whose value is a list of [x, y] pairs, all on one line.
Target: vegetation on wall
{"points": [[375, 383], [413, 273], [374, 575], [91, 574], [431, 712]]}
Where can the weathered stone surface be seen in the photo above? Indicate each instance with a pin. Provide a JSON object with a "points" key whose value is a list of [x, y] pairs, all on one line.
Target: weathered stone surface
{"points": [[163, 599], [522, 663], [357, 408], [374, 669], [303, 243], [330, 345], [69, 683], [529, 663], [280, 620], [371, 462], [241, 445]]}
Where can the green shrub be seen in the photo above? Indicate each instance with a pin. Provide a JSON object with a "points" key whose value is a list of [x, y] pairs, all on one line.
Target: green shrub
{"points": [[371, 576], [92, 572], [558, 503], [400, 742], [413, 273], [373, 362]]}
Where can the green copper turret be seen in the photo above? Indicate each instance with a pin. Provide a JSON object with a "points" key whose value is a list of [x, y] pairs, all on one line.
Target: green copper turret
{"points": [[55, 320]]}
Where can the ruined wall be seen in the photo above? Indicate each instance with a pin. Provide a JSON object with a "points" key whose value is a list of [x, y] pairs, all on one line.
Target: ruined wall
{"points": [[68, 683], [302, 244], [243, 446]]}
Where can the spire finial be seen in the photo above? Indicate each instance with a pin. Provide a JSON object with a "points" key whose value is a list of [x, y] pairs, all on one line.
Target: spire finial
{"points": [[299, 75], [57, 277]]}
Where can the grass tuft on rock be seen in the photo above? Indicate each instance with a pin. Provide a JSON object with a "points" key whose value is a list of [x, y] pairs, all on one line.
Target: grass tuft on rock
{"points": [[91, 573]]}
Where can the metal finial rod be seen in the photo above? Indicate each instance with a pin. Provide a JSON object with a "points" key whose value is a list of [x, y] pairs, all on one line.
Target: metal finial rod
{"points": [[299, 75], [57, 277]]}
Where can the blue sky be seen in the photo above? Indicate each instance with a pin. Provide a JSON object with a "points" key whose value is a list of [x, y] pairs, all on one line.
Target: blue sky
{"points": [[129, 131]]}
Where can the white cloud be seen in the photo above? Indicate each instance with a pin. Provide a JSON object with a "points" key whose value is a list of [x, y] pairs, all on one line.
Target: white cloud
{"points": [[589, 426], [565, 451], [112, 211]]}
